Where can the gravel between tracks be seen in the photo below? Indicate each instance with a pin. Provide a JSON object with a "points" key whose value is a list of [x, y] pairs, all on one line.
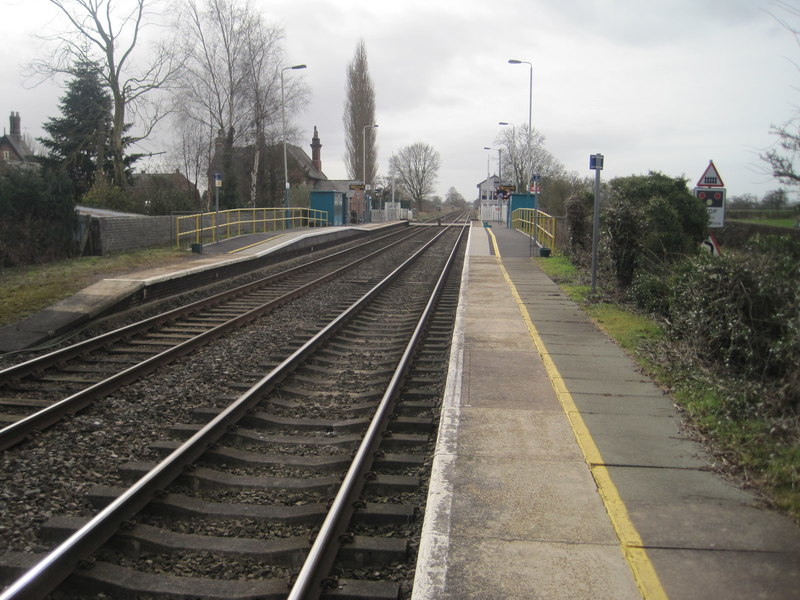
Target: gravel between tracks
{"points": [[51, 474]]}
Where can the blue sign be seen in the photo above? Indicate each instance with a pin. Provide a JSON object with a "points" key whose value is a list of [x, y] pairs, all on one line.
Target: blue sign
{"points": [[596, 162]]}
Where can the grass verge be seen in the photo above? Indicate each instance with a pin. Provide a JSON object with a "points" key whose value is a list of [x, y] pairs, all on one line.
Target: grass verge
{"points": [[761, 452], [25, 290]]}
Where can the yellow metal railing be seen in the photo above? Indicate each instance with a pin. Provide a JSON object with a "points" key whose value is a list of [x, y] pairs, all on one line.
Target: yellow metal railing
{"points": [[537, 224], [203, 228]]}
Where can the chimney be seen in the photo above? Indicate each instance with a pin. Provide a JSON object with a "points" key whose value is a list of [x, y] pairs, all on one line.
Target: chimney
{"points": [[315, 151], [15, 124]]}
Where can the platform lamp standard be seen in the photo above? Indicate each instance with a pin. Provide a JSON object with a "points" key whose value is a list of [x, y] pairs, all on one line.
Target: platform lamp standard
{"points": [[514, 61], [364, 148], [283, 120]]}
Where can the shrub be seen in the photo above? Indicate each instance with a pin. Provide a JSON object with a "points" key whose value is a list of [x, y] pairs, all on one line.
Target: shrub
{"points": [[38, 216], [651, 222], [742, 313], [579, 227], [105, 195]]}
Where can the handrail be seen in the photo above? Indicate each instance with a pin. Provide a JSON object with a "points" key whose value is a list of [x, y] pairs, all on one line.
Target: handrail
{"points": [[199, 227], [537, 224]]}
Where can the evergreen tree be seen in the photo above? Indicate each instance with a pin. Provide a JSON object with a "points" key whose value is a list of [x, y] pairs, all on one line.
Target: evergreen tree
{"points": [[79, 140]]}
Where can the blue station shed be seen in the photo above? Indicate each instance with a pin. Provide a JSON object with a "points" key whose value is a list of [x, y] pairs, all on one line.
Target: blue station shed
{"points": [[333, 202], [519, 200]]}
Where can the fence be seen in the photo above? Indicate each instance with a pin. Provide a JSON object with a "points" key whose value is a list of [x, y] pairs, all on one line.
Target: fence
{"points": [[493, 212], [392, 211], [537, 224], [206, 228]]}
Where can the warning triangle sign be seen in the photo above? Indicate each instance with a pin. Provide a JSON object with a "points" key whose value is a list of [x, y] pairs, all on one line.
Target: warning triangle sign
{"points": [[711, 177]]}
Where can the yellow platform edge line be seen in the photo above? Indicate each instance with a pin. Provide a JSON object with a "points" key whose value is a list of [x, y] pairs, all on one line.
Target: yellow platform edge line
{"points": [[631, 544], [255, 244]]}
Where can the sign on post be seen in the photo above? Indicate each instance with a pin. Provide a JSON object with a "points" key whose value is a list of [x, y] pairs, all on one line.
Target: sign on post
{"points": [[710, 190], [596, 165]]}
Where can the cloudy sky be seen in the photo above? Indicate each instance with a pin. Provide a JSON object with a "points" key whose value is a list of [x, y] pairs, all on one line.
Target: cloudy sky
{"points": [[652, 84]]}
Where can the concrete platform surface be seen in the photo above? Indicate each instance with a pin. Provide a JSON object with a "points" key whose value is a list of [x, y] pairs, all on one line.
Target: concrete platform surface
{"points": [[563, 472]]}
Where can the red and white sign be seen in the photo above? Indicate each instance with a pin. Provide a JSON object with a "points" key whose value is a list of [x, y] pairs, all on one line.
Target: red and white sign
{"points": [[711, 177], [710, 191]]}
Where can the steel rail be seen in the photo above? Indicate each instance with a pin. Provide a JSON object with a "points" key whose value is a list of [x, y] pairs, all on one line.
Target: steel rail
{"points": [[40, 362], [49, 572], [309, 582], [18, 431]]}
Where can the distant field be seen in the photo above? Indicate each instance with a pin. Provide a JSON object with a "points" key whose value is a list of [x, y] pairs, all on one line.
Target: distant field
{"points": [[773, 222]]}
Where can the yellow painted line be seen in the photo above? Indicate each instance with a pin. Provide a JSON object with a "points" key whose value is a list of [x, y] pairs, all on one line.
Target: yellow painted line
{"points": [[630, 542], [256, 244]]}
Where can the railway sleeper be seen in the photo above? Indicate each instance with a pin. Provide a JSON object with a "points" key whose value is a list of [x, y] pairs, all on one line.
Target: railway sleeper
{"points": [[334, 463], [205, 478], [395, 441], [180, 505], [289, 552], [123, 582]]}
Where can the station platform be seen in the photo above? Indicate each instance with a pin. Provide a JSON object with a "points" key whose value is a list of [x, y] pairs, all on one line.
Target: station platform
{"points": [[563, 472], [234, 256]]}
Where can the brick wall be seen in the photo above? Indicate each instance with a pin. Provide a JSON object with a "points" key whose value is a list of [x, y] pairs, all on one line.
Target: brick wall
{"points": [[119, 234]]}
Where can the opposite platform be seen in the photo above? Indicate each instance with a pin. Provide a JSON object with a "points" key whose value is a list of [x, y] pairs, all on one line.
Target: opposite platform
{"points": [[227, 258], [563, 472]]}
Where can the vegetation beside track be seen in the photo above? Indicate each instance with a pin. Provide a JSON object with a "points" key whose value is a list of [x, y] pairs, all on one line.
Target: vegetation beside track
{"points": [[27, 289], [758, 446]]}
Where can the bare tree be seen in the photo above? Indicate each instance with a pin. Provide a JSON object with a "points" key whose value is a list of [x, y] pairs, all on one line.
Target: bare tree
{"points": [[360, 113], [454, 199], [108, 33], [781, 158], [231, 83], [416, 168], [522, 155]]}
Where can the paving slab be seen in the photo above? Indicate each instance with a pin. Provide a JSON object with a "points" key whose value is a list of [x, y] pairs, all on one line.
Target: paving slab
{"points": [[699, 574]]}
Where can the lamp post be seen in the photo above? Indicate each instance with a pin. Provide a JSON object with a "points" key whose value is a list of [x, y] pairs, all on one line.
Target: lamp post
{"points": [[283, 120], [530, 109], [487, 171], [364, 147], [499, 166]]}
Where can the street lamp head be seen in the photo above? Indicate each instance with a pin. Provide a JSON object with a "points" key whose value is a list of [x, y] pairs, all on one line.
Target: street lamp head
{"points": [[487, 148], [299, 67], [502, 123], [514, 61]]}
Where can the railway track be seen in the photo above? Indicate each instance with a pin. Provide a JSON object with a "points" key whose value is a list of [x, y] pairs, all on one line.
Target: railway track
{"points": [[230, 511], [38, 393]]}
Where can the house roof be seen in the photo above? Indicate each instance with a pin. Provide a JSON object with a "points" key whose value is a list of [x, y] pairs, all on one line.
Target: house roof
{"points": [[301, 158], [17, 144], [332, 185]]}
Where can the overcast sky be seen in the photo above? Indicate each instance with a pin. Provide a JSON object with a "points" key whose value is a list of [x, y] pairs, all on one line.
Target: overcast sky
{"points": [[660, 85]]}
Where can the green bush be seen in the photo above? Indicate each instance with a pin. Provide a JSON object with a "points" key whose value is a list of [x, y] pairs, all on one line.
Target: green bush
{"points": [[38, 211], [651, 221], [741, 312], [105, 195], [651, 292], [579, 217]]}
